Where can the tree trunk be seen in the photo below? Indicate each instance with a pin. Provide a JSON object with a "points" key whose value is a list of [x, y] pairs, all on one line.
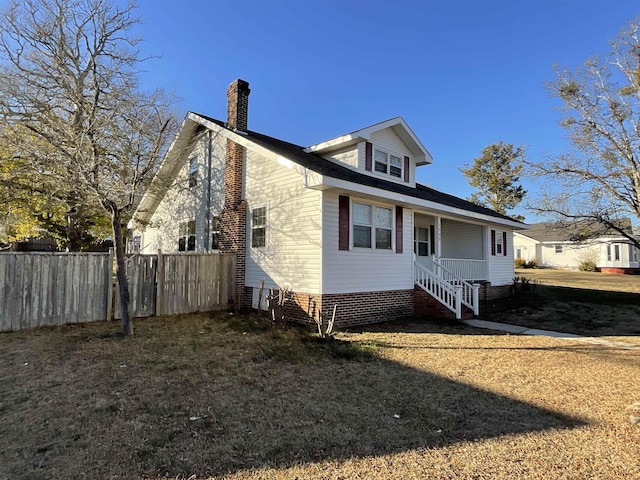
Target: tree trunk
{"points": [[121, 273]]}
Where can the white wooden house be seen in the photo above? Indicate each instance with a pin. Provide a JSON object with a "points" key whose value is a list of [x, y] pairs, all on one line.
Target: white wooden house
{"points": [[342, 222], [567, 244]]}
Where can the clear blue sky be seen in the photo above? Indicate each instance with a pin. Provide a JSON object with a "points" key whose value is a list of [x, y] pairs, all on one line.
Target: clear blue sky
{"points": [[463, 74]]}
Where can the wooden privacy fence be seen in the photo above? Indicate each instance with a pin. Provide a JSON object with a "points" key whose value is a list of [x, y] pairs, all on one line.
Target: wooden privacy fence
{"points": [[38, 289], [167, 284]]}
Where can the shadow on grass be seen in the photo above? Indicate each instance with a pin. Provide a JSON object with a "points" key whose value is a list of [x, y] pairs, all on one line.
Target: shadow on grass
{"points": [[209, 399]]}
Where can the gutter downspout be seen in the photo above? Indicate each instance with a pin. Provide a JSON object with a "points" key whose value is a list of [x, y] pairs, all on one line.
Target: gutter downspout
{"points": [[207, 223]]}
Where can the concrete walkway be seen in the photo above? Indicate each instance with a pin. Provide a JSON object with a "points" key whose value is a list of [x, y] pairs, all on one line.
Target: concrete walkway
{"points": [[516, 329]]}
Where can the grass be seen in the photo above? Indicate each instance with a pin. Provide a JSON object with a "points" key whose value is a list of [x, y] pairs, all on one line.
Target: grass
{"points": [[584, 303], [225, 397]]}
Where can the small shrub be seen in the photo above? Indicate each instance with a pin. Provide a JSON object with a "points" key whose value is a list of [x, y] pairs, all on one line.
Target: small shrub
{"points": [[520, 262], [522, 289], [533, 263], [587, 266]]}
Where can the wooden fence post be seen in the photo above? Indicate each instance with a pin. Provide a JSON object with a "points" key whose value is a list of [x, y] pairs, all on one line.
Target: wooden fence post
{"points": [[159, 284], [110, 285]]}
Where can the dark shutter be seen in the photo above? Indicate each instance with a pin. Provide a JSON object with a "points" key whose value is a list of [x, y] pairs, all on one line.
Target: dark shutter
{"points": [[398, 229], [493, 242], [343, 222], [406, 169], [432, 239], [504, 243], [368, 156]]}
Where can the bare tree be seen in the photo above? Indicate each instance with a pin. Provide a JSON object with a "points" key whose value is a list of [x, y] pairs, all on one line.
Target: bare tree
{"points": [[599, 180], [69, 76]]}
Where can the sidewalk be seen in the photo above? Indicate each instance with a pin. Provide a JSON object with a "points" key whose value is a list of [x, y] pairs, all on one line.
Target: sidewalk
{"points": [[516, 329]]}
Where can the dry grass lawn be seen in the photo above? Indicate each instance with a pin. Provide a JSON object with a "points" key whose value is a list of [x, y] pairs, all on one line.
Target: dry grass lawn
{"points": [[585, 303], [222, 397]]}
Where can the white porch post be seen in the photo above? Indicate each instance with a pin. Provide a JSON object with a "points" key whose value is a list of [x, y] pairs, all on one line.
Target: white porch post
{"points": [[476, 300], [438, 229]]}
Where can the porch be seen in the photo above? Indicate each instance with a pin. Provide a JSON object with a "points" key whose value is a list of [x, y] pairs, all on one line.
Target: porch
{"points": [[450, 256], [458, 247]]}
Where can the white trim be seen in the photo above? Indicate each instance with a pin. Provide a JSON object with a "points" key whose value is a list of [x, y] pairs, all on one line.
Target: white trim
{"points": [[324, 183]]}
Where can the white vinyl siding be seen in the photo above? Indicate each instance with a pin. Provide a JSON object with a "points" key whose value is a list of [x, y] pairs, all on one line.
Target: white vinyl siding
{"points": [[500, 266], [387, 141], [291, 256], [462, 240], [348, 156], [363, 270], [183, 203]]}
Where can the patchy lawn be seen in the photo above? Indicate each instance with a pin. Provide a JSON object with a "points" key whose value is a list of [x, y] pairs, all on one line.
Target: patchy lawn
{"points": [[223, 397], [584, 303]]}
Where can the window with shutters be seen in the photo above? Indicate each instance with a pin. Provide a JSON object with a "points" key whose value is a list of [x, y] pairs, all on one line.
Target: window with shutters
{"points": [[372, 226], [498, 243]]}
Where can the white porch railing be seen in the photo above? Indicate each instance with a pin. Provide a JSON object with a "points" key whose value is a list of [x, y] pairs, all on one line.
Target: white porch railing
{"points": [[447, 294], [467, 269], [448, 288]]}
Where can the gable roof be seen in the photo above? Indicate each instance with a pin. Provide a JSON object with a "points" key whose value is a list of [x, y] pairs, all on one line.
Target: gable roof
{"points": [[577, 231], [302, 156], [396, 124]]}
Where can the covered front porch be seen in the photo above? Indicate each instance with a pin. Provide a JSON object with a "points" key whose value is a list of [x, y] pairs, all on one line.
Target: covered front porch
{"points": [[455, 246]]}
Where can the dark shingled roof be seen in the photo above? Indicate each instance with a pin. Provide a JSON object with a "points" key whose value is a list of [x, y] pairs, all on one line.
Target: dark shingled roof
{"points": [[322, 166], [573, 231]]}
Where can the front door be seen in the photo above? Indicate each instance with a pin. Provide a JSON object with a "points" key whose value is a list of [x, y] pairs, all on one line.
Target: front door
{"points": [[423, 248]]}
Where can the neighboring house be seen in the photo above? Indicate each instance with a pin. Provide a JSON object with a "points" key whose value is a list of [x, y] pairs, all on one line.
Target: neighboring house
{"points": [[340, 222], [567, 245]]}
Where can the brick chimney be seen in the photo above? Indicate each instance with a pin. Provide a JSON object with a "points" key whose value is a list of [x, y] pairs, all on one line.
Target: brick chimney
{"points": [[234, 213], [238, 106]]}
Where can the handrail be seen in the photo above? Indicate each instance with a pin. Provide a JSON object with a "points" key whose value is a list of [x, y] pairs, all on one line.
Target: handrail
{"points": [[470, 297], [446, 293]]}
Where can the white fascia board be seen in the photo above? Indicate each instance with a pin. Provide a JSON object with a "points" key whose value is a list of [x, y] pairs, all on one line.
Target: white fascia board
{"points": [[397, 124], [523, 235], [324, 183], [167, 171]]}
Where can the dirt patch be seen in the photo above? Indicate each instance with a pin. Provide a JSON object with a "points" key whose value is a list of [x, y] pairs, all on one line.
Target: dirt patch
{"points": [[222, 397]]}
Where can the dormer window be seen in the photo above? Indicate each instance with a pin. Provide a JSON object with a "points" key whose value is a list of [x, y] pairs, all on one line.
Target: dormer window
{"points": [[387, 163]]}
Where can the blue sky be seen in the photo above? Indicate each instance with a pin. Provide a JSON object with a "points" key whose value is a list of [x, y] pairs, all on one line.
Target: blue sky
{"points": [[463, 74]]}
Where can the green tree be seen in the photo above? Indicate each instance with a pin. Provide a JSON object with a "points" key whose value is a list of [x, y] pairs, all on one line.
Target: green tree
{"points": [[495, 174], [598, 180], [69, 75]]}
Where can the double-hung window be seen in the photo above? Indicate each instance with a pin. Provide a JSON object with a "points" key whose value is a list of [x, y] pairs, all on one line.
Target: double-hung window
{"points": [[259, 227], [215, 233], [372, 226], [633, 253], [193, 172], [387, 163], [187, 236], [558, 249]]}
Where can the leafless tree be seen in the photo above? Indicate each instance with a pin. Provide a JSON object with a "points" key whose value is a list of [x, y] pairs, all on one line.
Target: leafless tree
{"points": [[599, 180], [69, 75]]}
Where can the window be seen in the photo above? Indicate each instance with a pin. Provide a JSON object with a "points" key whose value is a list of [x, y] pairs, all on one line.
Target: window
{"points": [[387, 163], [499, 245], [372, 226], [421, 246], [259, 227], [518, 253], [193, 172], [616, 252], [187, 236], [608, 253], [558, 249], [215, 233], [633, 253]]}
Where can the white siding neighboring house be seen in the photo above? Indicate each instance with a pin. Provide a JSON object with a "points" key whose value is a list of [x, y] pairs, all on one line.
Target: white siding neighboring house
{"points": [[342, 222], [558, 245]]}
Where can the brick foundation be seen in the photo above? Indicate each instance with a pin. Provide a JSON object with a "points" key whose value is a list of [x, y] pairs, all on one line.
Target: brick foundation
{"points": [[359, 308]]}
